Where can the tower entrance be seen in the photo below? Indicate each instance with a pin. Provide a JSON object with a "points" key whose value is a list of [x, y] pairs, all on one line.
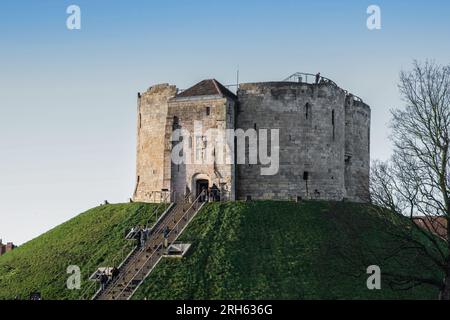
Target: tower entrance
{"points": [[201, 184]]}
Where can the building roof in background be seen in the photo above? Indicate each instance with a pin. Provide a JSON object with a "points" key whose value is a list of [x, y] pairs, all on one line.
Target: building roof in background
{"points": [[436, 225], [209, 87]]}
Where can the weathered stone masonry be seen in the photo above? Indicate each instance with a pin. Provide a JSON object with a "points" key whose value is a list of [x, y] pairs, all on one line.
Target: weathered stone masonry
{"points": [[324, 140], [324, 148]]}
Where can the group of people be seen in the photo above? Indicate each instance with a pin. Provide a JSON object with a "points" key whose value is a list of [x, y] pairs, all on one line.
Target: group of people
{"points": [[105, 278], [210, 194], [141, 234], [320, 79]]}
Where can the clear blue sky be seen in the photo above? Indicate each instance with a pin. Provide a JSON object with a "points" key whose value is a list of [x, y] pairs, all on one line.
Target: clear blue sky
{"points": [[68, 98]]}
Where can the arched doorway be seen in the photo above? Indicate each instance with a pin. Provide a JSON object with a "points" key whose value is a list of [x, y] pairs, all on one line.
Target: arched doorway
{"points": [[200, 182]]}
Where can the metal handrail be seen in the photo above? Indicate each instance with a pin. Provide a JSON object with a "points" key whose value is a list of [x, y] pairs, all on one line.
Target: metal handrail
{"points": [[223, 195], [140, 251], [167, 197], [121, 254], [86, 290], [186, 213], [113, 282], [161, 244], [355, 97], [299, 76], [113, 259]]}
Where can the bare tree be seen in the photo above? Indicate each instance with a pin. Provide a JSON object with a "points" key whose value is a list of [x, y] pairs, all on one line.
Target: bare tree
{"points": [[416, 181]]}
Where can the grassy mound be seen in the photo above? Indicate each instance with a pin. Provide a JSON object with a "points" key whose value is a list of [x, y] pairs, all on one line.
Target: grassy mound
{"points": [[92, 239], [254, 250], [282, 250]]}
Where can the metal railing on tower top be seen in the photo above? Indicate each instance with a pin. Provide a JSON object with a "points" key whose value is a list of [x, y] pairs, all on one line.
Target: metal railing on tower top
{"points": [[310, 78], [299, 77], [302, 77]]}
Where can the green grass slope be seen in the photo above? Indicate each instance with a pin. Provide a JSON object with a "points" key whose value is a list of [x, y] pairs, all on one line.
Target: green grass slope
{"points": [[282, 250], [254, 250], [94, 238]]}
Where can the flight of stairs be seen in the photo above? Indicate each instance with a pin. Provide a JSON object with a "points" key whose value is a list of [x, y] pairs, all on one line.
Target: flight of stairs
{"points": [[141, 262]]}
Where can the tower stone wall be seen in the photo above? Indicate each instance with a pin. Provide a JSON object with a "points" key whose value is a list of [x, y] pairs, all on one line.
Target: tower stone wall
{"points": [[152, 168], [213, 112], [311, 123], [357, 149], [324, 140]]}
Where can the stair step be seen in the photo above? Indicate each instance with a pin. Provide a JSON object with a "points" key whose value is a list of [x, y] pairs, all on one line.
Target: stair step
{"points": [[140, 262]]}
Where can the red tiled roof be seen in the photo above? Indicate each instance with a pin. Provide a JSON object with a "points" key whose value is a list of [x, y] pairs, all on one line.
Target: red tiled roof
{"points": [[210, 87], [436, 225]]}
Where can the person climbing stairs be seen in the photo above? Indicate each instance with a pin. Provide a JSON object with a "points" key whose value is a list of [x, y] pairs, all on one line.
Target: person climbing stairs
{"points": [[142, 261]]}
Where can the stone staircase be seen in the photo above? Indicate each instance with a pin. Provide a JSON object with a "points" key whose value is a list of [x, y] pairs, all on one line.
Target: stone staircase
{"points": [[138, 265]]}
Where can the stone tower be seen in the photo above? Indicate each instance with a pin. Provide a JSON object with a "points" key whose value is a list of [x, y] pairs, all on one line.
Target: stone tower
{"points": [[324, 140], [163, 109]]}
